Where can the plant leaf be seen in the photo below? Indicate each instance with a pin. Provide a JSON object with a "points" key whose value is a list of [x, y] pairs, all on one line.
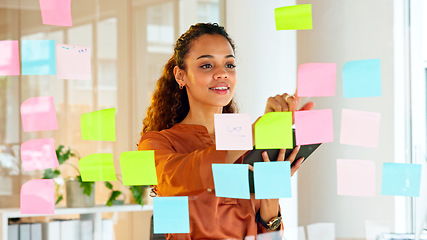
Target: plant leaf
{"points": [[87, 186], [109, 185], [59, 199], [113, 196], [137, 194], [50, 174]]}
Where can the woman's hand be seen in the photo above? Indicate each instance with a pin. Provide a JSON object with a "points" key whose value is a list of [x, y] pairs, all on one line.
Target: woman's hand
{"points": [[286, 103]]}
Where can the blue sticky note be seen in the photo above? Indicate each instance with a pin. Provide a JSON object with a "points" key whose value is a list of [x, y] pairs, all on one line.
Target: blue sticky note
{"points": [[401, 179], [171, 215], [231, 180], [362, 78], [272, 180], [38, 57]]}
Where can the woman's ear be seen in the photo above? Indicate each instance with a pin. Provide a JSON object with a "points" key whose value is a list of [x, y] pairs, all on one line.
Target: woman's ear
{"points": [[179, 75]]}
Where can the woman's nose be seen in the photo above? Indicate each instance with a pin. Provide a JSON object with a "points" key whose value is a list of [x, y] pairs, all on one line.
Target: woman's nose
{"points": [[221, 74]]}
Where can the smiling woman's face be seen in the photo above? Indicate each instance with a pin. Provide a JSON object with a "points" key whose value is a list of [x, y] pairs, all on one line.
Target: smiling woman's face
{"points": [[210, 76]]}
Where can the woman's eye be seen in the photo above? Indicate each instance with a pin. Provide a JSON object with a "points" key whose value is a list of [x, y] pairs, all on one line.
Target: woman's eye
{"points": [[232, 66], [206, 66]]}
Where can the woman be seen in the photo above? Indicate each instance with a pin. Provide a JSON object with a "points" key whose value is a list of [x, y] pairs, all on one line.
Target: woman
{"points": [[198, 82]]}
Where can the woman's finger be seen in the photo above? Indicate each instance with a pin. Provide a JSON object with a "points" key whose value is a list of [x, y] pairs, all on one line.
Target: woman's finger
{"points": [[293, 154], [251, 167], [282, 154], [296, 166], [265, 156], [273, 105], [291, 102], [307, 106], [283, 104]]}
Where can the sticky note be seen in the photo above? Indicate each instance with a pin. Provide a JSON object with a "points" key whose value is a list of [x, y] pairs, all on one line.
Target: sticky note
{"points": [[97, 167], [362, 78], [274, 131], [99, 125], [296, 17], [38, 197], [138, 168], [73, 62], [233, 131], [231, 180], [38, 114], [272, 180], [314, 126], [56, 12], [360, 128], [321, 231], [38, 57], [171, 215], [356, 177], [9, 58], [316, 79], [39, 154], [401, 179]]}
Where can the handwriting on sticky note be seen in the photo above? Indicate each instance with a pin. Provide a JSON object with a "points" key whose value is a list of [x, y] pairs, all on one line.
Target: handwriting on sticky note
{"points": [[73, 62], [37, 197], [171, 215], [401, 179], [37, 154], [296, 17], [231, 180], [138, 168], [56, 12], [38, 114], [9, 58], [274, 131], [38, 57], [97, 167], [356, 177], [360, 128], [362, 78], [99, 125], [316, 79], [314, 126], [278, 177], [233, 132]]}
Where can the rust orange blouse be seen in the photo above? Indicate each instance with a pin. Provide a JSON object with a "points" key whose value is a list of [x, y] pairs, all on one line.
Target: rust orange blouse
{"points": [[184, 155]]}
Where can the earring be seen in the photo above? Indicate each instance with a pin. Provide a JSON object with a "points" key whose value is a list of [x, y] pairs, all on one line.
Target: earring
{"points": [[181, 86]]}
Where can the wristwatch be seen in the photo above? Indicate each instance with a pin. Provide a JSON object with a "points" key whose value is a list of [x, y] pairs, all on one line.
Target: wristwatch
{"points": [[273, 224]]}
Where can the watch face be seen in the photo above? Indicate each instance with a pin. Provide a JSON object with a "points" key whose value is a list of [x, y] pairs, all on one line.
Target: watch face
{"points": [[275, 223]]}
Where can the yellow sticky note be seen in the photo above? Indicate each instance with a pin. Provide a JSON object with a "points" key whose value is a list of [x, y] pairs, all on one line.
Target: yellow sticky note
{"points": [[97, 167], [138, 168], [296, 17], [274, 131], [99, 125]]}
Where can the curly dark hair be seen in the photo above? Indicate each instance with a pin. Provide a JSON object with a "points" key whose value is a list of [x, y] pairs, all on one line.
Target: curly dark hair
{"points": [[169, 104]]}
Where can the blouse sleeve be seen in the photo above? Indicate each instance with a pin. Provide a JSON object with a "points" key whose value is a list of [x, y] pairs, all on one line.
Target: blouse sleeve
{"points": [[181, 174]]}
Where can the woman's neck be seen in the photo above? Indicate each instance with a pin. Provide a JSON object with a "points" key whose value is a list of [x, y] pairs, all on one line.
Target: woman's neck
{"points": [[203, 116]]}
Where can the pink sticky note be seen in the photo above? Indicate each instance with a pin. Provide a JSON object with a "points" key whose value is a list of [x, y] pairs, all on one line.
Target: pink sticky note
{"points": [[39, 154], [233, 131], [56, 12], [38, 197], [314, 126], [9, 58], [356, 177], [316, 79], [73, 62], [360, 128], [38, 114]]}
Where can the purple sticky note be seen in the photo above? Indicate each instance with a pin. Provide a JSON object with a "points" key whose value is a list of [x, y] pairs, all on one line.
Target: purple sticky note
{"points": [[38, 197], [314, 126], [73, 62], [39, 154], [316, 79], [9, 58], [38, 114], [360, 128], [56, 12], [356, 177]]}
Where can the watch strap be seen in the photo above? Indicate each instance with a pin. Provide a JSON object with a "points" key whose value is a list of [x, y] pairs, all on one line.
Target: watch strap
{"points": [[264, 224]]}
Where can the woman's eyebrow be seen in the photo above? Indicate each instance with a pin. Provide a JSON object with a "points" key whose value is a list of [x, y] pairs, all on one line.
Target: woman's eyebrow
{"points": [[210, 56]]}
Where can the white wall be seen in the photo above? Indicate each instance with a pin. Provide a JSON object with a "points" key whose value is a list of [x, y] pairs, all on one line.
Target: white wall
{"points": [[266, 66], [348, 30]]}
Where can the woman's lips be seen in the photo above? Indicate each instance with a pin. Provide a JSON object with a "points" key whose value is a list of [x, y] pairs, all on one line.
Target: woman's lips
{"points": [[220, 90]]}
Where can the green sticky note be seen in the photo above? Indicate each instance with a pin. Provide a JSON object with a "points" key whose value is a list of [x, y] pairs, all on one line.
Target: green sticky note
{"points": [[138, 168], [274, 131], [99, 125], [296, 17], [97, 167]]}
